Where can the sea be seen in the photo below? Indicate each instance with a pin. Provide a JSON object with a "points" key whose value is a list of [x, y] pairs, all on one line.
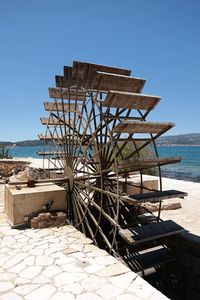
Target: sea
{"points": [[188, 169]]}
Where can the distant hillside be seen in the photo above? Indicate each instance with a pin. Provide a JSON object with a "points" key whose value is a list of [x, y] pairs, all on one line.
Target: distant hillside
{"points": [[181, 139], [6, 143], [30, 143], [24, 143]]}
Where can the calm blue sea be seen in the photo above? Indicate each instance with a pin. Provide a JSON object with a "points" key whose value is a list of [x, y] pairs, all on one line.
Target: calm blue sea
{"points": [[188, 169], [25, 151]]}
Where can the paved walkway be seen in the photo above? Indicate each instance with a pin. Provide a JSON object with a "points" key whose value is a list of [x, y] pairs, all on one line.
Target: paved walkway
{"points": [[60, 263], [189, 215]]}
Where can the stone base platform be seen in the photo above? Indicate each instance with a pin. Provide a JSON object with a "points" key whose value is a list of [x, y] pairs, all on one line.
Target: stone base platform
{"points": [[61, 263], [22, 201]]}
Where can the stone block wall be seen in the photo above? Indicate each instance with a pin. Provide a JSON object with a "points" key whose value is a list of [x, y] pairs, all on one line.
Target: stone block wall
{"points": [[181, 278]]}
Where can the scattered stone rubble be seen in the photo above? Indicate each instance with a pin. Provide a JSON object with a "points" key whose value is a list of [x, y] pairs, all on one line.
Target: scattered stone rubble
{"points": [[8, 168], [48, 219], [167, 205], [31, 173], [27, 174]]}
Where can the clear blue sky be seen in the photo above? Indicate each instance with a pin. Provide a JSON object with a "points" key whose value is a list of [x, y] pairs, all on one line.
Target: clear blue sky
{"points": [[159, 40]]}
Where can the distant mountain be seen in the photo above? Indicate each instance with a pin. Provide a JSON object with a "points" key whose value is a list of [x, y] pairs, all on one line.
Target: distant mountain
{"points": [[30, 143], [6, 143], [23, 143], [181, 139]]}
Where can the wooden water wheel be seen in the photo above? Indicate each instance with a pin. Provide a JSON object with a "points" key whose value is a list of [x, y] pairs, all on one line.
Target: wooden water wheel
{"points": [[98, 139]]}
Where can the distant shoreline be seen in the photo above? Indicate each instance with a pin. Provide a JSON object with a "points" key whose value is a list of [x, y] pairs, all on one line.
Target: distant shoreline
{"points": [[176, 145], [158, 145]]}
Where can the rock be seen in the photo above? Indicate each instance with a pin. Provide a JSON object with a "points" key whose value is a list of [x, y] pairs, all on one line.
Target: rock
{"points": [[170, 205], [8, 168], [47, 219]]}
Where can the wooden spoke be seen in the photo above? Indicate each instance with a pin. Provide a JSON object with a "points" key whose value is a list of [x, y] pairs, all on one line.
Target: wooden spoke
{"points": [[97, 139]]}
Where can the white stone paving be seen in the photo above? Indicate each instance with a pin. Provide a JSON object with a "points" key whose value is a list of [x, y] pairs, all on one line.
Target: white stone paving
{"points": [[60, 263]]}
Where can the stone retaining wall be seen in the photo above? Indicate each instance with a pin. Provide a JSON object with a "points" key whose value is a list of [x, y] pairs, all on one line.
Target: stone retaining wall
{"points": [[181, 279]]}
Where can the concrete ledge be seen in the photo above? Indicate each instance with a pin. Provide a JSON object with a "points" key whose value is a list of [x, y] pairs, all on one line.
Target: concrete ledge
{"points": [[22, 202]]}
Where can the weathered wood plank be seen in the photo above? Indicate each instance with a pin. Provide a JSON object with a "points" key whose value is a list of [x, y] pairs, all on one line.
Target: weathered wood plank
{"points": [[109, 81], [130, 100], [152, 231], [56, 121], [83, 69], [140, 219], [149, 258], [50, 153], [67, 71], [71, 81], [134, 140], [49, 121], [120, 117], [61, 82], [64, 93], [158, 196], [142, 127], [67, 139], [103, 82], [49, 137], [64, 107], [138, 164]]}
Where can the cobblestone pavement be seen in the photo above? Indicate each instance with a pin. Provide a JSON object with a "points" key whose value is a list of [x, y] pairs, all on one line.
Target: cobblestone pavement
{"points": [[2, 215], [61, 263]]}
